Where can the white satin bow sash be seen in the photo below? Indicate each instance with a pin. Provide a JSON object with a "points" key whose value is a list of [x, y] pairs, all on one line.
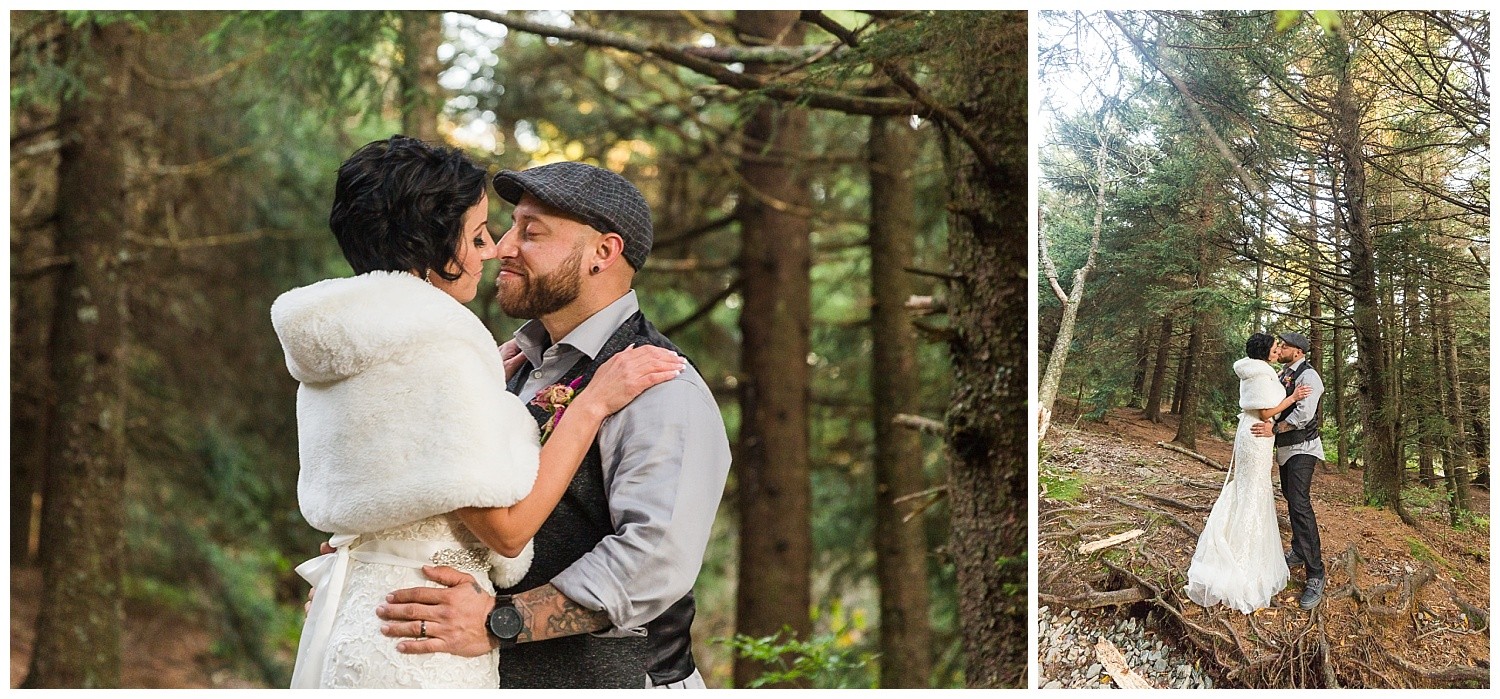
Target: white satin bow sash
{"points": [[328, 573]]}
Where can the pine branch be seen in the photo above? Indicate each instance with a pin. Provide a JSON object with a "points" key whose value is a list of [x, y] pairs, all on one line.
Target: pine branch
{"points": [[697, 231], [684, 56], [939, 112], [1192, 105], [707, 308]]}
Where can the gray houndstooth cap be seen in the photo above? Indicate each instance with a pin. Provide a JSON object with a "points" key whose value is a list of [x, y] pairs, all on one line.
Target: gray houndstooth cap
{"points": [[598, 197]]}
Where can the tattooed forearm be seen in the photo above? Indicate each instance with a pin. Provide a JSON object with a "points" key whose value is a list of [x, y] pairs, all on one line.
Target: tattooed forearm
{"points": [[548, 613]]}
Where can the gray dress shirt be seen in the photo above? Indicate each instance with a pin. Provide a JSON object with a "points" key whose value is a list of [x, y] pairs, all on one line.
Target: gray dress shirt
{"points": [[1302, 415], [665, 460]]}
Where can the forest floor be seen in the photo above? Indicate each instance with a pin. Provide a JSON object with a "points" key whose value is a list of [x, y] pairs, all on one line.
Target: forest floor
{"points": [[162, 648], [1406, 606]]}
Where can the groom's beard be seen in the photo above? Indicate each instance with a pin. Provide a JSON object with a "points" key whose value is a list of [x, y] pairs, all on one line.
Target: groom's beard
{"points": [[533, 296]]}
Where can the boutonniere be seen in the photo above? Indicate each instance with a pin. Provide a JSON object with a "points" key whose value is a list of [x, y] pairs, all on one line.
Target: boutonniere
{"points": [[555, 399]]}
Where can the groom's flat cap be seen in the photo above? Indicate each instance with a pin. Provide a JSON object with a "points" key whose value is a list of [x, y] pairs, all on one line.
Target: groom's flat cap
{"points": [[599, 197], [1297, 340]]}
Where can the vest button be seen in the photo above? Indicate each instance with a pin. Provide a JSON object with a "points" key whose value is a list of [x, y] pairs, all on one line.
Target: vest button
{"points": [[536, 374]]}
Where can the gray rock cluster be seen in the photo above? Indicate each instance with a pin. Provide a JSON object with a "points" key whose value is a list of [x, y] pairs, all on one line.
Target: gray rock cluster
{"points": [[1065, 647]]}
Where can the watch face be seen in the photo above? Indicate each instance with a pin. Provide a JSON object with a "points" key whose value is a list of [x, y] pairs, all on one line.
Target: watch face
{"points": [[505, 622]]}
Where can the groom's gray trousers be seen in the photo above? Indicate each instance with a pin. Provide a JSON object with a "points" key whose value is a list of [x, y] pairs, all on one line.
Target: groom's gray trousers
{"points": [[1296, 486]]}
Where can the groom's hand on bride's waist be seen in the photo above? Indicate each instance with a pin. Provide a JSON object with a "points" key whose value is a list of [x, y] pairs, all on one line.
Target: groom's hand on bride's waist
{"points": [[454, 615], [1262, 429]]}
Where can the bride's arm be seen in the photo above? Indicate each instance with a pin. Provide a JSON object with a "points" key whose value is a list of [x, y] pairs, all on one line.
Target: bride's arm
{"points": [[1297, 394], [507, 529]]}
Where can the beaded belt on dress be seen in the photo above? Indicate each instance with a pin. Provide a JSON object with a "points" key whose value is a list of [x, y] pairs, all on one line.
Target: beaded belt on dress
{"points": [[328, 572]]}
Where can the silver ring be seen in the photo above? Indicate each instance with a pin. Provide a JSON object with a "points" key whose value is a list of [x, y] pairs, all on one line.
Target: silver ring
{"points": [[423, 632]]}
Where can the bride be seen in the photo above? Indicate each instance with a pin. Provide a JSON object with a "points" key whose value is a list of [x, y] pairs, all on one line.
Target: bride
{"points": [[1239, 562], [412, 452]]}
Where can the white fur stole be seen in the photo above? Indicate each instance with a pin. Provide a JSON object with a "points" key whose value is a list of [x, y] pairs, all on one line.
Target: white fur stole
{"points": [[402, 413], [1259, 388]]}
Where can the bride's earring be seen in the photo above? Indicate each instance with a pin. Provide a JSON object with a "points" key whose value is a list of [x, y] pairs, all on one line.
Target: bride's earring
{"points": [[427, 277]]}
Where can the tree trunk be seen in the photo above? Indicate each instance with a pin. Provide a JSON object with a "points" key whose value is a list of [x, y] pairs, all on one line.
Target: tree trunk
{"points": [[1047, 393], [1142, 367], [1159, 372], [774, 481], [78, 638], [900, 547], [1184, 365], [32, 398], [1340, 416], [421, 98], [1425, 453], [1187, 422], [1382, 470], [987, 425], [1457, 460], [1314, 293]]}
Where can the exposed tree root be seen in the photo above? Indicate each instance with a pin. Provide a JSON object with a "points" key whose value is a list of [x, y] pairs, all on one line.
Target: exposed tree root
{"points": [[1285, 647], [1174, 519], [1176, 503]]}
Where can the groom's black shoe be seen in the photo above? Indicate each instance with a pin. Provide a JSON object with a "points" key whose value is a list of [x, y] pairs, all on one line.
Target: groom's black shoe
{"points": [[1313, 593], [1294, 559]]}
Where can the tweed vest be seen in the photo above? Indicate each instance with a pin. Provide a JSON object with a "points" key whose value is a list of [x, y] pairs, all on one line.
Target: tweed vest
{"points": [[580, 521]]}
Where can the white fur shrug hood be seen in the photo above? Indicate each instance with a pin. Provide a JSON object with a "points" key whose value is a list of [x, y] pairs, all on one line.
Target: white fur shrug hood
{"points": [[1259, 388], [402, 413]]}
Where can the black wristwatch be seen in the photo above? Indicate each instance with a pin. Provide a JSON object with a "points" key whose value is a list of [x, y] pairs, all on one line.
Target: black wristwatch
{"points": [[505, 621]]}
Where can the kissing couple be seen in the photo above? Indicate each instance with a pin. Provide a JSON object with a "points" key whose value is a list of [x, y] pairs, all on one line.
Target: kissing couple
{"points": [[1239, 561], [529, 515]]}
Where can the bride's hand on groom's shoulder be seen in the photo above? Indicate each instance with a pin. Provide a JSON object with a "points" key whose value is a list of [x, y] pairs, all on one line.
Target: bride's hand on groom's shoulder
{"points": [[629, 373], [1301, 392], [454, 615]]}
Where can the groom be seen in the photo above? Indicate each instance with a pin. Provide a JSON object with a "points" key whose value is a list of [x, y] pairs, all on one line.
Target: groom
{"points": [[608, 600], [1299, 448]]}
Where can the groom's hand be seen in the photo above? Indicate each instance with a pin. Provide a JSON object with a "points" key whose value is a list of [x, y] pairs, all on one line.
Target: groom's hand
{"points": [[455, 615], [1262, 429]]}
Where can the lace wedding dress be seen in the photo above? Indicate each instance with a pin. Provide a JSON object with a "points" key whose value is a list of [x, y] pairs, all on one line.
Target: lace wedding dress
{"points": [[402, 419], [349, 651], [1238, 562]]}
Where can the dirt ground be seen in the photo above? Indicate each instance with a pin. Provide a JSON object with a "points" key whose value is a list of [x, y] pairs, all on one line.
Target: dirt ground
{"points": [[161, 649], [1414, 612]]}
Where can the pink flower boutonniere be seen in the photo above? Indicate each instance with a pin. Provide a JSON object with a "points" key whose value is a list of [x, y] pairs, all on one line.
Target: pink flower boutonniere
{"points": [[555, 399]]}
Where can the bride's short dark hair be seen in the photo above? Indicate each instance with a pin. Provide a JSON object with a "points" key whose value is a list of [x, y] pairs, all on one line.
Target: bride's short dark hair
{"points": [[1259, 346], [398, 205]]}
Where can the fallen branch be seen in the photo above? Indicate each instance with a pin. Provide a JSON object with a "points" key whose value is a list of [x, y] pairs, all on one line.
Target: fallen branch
{"points": [[1107, 542], [1114, 662], [1094, 600], [1188, 452]]}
